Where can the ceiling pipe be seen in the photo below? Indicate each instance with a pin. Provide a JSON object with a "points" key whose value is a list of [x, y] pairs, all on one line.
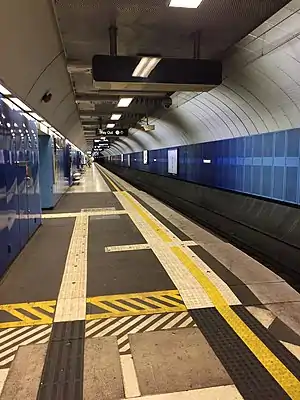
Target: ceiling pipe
{"points": [[197, 44], [113, 39]]}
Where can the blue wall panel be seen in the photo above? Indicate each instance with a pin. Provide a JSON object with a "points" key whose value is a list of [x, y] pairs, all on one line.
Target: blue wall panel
{"points": [[20, 210], [266, 165]]}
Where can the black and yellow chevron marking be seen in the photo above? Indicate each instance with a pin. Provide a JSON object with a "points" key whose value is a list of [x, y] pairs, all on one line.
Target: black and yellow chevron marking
{"points": [[26, 314], [134, 304]]}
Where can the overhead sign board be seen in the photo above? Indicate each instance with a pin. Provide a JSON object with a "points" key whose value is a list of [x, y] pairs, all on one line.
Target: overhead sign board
{"points": [[113, 132], [169, 75], [101, 140]]}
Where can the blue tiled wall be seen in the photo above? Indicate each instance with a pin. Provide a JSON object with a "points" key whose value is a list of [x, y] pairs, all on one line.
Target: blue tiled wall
{"points": [[266, 165], [20, 209]]}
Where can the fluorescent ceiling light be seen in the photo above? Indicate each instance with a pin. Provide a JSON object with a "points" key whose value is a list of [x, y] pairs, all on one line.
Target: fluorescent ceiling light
{"points": [[116, 117], [207, 161], [36, 116], [146, 66], [4, 91], [110, 125], [43, 128], [29, 117], [10, 104], [20, 103], [47, 124], [185, 3], [125, 102]]}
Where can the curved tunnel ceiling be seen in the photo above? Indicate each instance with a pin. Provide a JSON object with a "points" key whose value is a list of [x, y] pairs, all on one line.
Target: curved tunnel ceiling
{"points": [[34, 62], [260, 92]]}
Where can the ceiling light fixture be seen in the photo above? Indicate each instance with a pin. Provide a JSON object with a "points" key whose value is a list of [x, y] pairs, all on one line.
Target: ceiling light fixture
{"points": [[9, 103], [110, 126], [185, 3], [146, 66], [20, 104], [36, 116], [125, 102], [4, 91], [115, 117]]}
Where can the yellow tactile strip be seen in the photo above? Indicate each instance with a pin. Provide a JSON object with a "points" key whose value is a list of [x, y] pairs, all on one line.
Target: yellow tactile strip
{"points": [[136, 304], [274, 366]]}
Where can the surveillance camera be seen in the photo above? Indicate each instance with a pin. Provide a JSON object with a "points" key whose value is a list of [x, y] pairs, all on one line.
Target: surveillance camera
{"points": [[167, 102], [47, 97]]}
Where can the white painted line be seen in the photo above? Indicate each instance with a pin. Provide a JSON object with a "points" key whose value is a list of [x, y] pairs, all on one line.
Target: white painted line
{"points": [[131, 385], [27, 341], [89, 213], [229, 392], [293, 348], [145, 246], [17, 331], [188, 243], [129, 247], [124, 328], [3, 376], [71, 302]]}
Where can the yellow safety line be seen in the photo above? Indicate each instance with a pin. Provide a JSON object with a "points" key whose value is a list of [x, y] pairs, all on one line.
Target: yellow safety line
{"points": [[6, 307], [19, 324], [49, 309], [156, 303], [125, 306], [103, 306], [111, 182], [38, 314], [19, 315], [275, 367], [141, 295], [167, 300], [132, 313]]}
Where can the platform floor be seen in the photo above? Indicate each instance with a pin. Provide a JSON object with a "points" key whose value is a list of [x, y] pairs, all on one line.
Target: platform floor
{"points": [[118, 296]]}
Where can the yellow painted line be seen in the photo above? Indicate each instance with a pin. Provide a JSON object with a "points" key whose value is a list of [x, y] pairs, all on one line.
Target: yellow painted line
{"points": [[111, 182], [167, 300], [158, 230], [19, 324], [6, 307], [156, 304], [125, 306], [38, 314], [49, 309], [149, 311], [20, 316], [16, 310], [274, 366], [140, 295], [145, 304], [104, 306]]}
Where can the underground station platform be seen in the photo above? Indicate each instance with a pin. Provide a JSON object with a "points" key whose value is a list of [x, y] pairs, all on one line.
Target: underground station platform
{"points": [[119, 296]]}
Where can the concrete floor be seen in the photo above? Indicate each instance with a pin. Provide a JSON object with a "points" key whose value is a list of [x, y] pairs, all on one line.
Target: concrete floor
{"points": [[118, 296]]}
